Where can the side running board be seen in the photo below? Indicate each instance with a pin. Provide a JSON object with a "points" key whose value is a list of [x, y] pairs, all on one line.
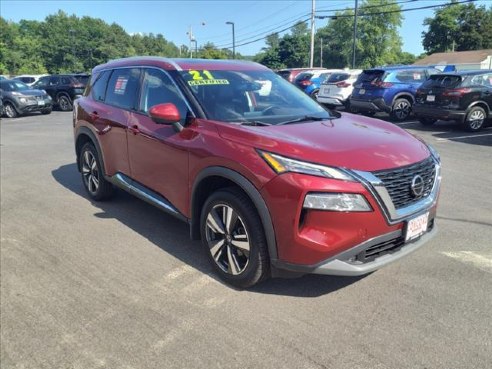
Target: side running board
{"points": [[126, 183]]}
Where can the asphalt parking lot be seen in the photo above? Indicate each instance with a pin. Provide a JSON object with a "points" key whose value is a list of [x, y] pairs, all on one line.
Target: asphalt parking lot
{"points": [[120, 285]]}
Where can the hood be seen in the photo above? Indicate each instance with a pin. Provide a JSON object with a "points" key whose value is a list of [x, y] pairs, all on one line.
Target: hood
{"points": [[31, 92], [351, 141]]}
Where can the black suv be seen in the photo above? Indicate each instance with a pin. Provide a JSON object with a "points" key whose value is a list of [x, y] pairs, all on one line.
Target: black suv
{"points": [[465, 97], [63, 88]]}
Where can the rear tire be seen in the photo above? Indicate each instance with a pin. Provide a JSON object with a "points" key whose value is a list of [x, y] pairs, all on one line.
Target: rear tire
{"points": [[427, 121], [401, 110], [234, 239], [46, 111], [64, 102], [475, 119], [92, 174]]}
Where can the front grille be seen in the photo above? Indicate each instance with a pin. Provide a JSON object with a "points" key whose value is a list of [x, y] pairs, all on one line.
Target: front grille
{"points": [[398, 181], [387, 247]]}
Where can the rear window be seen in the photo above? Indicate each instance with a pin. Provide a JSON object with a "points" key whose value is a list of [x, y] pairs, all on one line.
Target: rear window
{"points": [[337, 77], [440, 80], [284, 73], [304, 76], [370, 76]]}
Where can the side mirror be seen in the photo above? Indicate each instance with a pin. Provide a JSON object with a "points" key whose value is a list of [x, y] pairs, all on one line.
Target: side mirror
{"points": [[166, 114]]}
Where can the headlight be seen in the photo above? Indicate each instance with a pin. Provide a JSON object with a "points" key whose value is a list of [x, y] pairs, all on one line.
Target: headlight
{"points": [[22, 100], [282, 164], [434, 153], [336, 202]]}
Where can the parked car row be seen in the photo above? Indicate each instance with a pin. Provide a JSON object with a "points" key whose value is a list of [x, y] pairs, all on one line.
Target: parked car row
{"points": [[43, 95], [464, 97]]}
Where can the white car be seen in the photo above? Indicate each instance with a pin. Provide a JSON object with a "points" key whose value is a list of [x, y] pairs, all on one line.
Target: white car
{"points": [[29, 79], [337, 88]]}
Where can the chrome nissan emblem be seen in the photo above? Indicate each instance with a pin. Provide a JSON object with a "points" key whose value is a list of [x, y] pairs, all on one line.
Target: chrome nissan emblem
{"points": [[417, 186]]}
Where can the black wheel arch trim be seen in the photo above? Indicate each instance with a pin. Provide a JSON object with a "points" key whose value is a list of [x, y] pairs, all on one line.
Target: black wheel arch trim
{"points": [[87, 132], [479, 102], [249, 189]]}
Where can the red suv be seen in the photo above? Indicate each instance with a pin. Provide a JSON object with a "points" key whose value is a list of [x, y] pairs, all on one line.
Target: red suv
{"points": [[266, 177]]}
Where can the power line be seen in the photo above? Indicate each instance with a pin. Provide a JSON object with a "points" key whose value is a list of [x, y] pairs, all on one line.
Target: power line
{"points": [[228, 46]]}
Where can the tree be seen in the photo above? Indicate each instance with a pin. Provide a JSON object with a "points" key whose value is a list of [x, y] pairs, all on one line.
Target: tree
{"points": [[458, 27], [378, 41]]}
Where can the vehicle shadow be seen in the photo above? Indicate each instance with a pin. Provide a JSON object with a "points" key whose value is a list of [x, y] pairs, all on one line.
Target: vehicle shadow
{"points": [[172, 236]]}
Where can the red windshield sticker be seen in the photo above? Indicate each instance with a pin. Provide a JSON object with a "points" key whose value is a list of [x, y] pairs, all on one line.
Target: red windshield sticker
{"points": [[120, 86]]}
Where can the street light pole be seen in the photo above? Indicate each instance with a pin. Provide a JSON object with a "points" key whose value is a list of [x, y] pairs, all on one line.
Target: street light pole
{"points": [[233, 40]]}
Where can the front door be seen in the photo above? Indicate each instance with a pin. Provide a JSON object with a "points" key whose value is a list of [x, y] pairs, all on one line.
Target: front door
{"points": [[158, 155]]}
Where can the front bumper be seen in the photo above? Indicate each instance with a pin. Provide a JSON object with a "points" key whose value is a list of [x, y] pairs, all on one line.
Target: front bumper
{"points": [[425, 111], [375, 105], [331, 242], [33, 105], [346, 263]]}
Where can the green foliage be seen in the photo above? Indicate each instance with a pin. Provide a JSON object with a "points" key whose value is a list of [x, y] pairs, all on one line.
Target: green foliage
{"points": [[63, 43], [378, 41], [458, 27]]}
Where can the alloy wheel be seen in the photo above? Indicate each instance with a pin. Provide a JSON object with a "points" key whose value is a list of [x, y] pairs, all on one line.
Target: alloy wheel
{"points": [[227, 239], [64, 103], [10, 111], [90, 172], [476, 119], [402, 109]]}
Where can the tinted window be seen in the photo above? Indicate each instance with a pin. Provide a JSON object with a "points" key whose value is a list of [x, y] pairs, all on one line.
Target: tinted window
{"points": [[304, 76], [99, 87], [42, 82], [82, 79], [65, 81], [123, 87], [440, 80], [337, 77], [54, 81], [284, 74], [370, 76], [157, 88]]}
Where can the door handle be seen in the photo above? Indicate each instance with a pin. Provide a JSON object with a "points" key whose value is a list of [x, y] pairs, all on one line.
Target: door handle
{"points": [[134, 129]]}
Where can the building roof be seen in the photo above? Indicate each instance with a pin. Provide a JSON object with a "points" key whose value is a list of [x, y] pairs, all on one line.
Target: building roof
{"points": [[457, 57]]}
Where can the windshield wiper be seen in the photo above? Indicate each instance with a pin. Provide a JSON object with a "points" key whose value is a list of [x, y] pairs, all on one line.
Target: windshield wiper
{"points": [[306, 118], [254, 123]]}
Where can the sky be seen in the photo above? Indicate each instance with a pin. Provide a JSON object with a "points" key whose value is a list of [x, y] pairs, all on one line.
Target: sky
{"points": [[207, 19]]}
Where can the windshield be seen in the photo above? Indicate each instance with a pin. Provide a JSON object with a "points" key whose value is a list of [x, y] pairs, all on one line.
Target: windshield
{"points": [[14, 86], [250, 96]]}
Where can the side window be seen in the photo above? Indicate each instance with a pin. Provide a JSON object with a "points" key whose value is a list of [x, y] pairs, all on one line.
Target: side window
{"points": [[42, 83], [488, 80], [99, 87], [54, 81], [123, 88], [65, 81], [157, 88]]}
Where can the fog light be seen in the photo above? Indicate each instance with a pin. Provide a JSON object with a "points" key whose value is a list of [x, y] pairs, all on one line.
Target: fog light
{"points": [[336, 202]]}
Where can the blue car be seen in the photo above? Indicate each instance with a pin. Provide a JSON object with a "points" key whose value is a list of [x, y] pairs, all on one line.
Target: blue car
{"points": [[389, 89], [310, 81]]}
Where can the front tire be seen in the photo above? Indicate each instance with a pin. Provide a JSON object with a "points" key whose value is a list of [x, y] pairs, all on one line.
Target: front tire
{"points": [[10, 111], [401, 110], [475, 119], [234, 238], [46, 111], [92, 174]]}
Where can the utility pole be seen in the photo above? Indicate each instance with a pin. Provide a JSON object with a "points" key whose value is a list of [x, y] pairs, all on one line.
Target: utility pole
{"points": [[233, 40], [311, 54], [355, 33], [190, 36], [321, 52]]}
